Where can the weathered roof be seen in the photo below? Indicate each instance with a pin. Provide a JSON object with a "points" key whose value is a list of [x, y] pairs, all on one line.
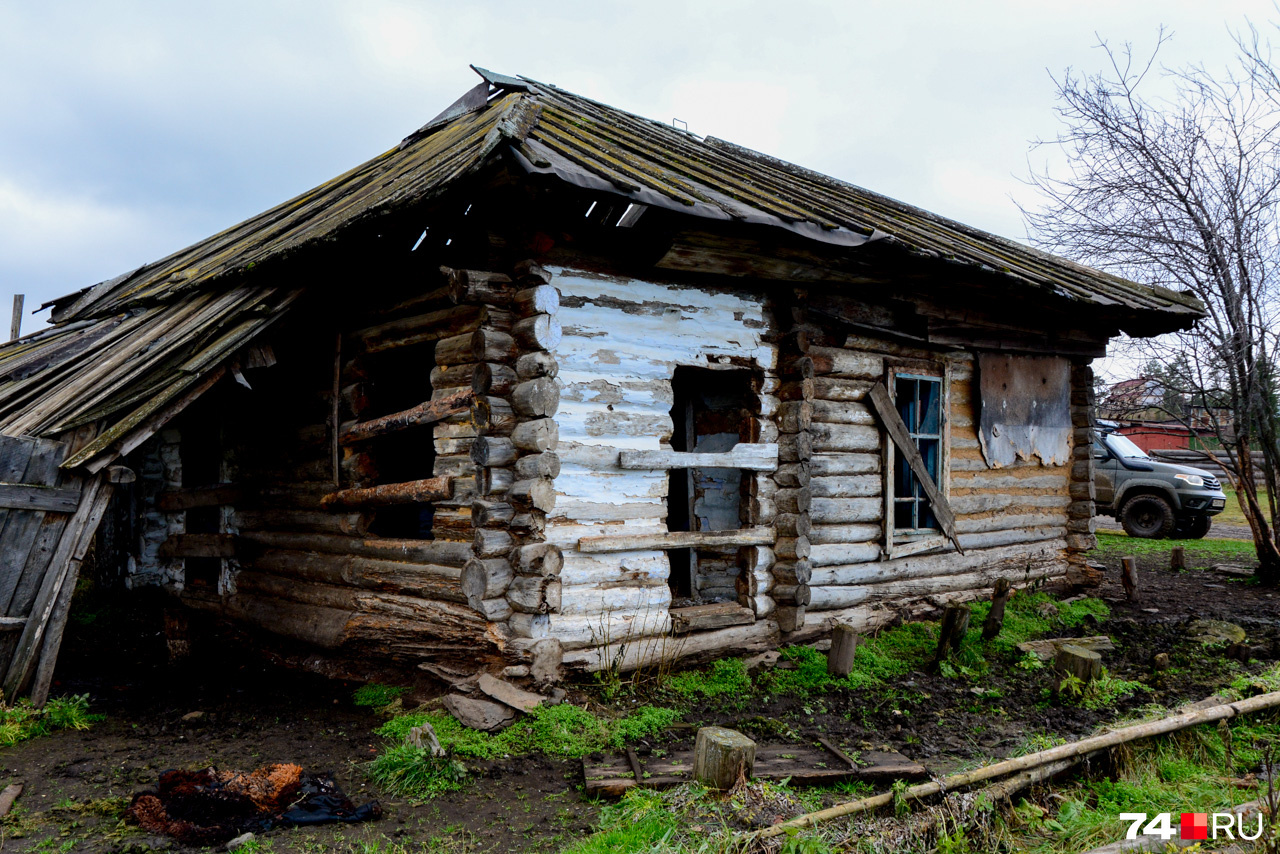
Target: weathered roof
{"points": [[124, 349]]}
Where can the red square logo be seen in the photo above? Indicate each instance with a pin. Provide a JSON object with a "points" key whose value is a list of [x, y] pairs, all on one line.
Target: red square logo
{"points": [[1195, 825]]}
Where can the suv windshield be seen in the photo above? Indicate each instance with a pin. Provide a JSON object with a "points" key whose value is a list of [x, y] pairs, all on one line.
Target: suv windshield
{"points": [[1124, 448]]}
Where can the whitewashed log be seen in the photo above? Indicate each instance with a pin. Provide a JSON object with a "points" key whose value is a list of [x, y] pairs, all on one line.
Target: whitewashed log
{"points": [[533, 594], [642, 569], [825, 535], [762, 606], [844, 437], [648, 651], [987, 480], [966, 505], [540, 299], [843, 511], [836, 464], [537, 436], [833, 389], [1009, 521], [843, 553], [1018, 535], [676, 539], [847, 486], [576, 631], [748, 457], [530, 626]]}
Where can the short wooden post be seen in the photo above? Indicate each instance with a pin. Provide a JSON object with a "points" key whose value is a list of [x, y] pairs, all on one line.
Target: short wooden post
{"points": [[1129, 577], [995, 617], [955, 622], [1178, 558], [844, 645], [15, 327], [1072, 660], [721, 756]]}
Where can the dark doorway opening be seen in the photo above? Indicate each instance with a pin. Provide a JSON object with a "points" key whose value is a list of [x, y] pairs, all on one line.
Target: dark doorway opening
{"points": [[400, 379]]}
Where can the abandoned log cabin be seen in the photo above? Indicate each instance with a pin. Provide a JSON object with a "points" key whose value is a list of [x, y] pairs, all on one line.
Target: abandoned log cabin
{"points": [[551, 386]]}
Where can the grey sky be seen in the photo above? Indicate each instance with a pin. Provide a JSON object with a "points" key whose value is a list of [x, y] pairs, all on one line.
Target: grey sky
{"points": [[133, 129]]}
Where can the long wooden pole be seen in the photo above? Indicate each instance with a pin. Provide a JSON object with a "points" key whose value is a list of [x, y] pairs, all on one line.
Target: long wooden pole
{"points": [[1173, 723], [15, 327]]}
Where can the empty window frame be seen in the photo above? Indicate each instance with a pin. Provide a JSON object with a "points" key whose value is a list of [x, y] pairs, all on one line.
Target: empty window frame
{"points": [[920, 399]]}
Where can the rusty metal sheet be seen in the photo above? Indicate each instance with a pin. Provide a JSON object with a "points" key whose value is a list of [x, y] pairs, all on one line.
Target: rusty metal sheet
{"points": [[1025, 403]]}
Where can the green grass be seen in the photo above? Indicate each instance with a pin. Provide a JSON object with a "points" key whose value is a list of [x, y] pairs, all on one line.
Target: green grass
{"points": [[1201, 554], [22, 720], [377, 695], [412, 772], [726, 676], [1231, 514]]}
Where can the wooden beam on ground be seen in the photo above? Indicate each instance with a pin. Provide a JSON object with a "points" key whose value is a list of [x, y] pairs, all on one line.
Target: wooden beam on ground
{"points": [[742, 456], [678, 540], [424, 413], [411, 492]]}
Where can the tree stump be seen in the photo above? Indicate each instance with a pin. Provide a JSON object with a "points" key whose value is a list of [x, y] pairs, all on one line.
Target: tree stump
{"points": [[844, 645], [1178, 558], [1072, 660], [955, 622], [995, 617], [721, 756], [1129, 577]]}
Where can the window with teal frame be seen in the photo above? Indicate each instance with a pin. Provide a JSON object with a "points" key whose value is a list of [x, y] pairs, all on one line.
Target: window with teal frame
{"points": [[919, 403]]}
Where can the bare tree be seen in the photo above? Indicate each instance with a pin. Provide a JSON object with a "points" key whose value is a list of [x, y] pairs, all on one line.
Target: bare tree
{"points": [[1183, 191]]}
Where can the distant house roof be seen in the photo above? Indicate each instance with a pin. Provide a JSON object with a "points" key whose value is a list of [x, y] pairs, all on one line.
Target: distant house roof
{"points": [[123, 350]]}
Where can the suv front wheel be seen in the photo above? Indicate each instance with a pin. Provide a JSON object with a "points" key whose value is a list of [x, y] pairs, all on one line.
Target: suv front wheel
{"points": [[1192, 528], [1148, 516]]}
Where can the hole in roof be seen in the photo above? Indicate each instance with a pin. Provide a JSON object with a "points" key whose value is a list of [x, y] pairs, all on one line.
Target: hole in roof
{"points": [[676, 123], [590, 209], [421, 237], [447, 242], [468, 210]]}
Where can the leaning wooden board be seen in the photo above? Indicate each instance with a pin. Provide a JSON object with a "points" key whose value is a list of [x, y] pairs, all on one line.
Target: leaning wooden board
{"points": [[802, 764]]}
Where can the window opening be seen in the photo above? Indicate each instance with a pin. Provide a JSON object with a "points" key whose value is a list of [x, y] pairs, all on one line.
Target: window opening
{"points": [[399, 379], [712, 410], [919, 403]]}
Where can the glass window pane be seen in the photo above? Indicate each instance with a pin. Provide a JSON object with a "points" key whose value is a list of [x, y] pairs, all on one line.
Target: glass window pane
{"points": [[930, 407], [904, 480], [929, 450], [902, 515], [905, 399], [927, 519]]}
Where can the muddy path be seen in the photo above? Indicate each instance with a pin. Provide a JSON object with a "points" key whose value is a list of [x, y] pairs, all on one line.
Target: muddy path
{"points": [[223, 710]]}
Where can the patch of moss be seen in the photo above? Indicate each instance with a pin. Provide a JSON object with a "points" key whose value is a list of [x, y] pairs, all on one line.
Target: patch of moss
{"points": [[376, 695], [726, 676]]}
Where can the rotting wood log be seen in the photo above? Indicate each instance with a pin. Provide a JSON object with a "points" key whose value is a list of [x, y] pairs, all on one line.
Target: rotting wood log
{"points": [[794, 525], [534, 594], [273, 519], [198, 545], [428, 581], [995, 617], [1078, 662], [794, 500], [793, 474], [538, 465], [536, 398], [491, 514], [850, 364], [489, 451], [477, 286], [424, 413], [494, 481], [410, 492], [485, 578], [493, 379], [532, 523], [386, 548], [538, 559], [493, 416], [955, 622], [1178, 558], [490, 345], [1178, 721], [417, 329], [538, 332], [539, 435], [844, 646], [792, 594], [454, 376], [1129, 578], [790, 617], [722, 756], [492, 542], [540, 299], [647, 649], [538, 493], [457, 350], [792, 548], [676, 540], [537, 364], [494, 610], [795, 447]]}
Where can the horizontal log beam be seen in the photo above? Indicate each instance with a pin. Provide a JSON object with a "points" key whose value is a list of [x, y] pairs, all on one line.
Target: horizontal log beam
{"points": [[177, 500], [749, 457], [411, 492], [424, 413], [199, 545], [678, 540]]}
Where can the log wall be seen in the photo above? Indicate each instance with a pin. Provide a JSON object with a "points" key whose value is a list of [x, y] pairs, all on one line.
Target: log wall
{"points": [[623, 339]]}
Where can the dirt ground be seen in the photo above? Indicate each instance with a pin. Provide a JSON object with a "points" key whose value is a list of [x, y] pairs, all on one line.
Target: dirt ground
{"points": [[255, 714]]}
